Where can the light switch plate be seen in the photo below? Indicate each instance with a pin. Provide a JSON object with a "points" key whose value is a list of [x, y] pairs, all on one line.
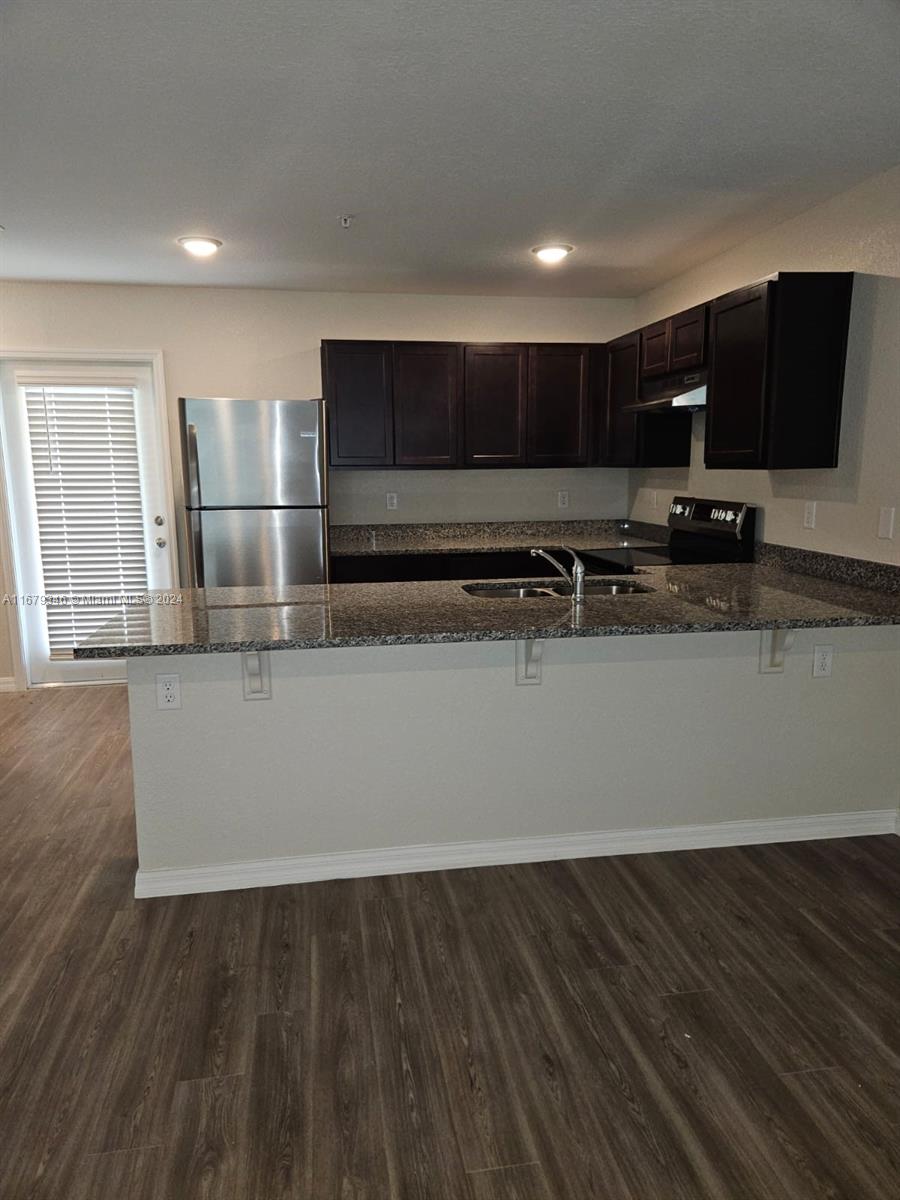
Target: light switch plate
{"points": [[809, 514], [256, 672], [886, 522], [529, 656]]}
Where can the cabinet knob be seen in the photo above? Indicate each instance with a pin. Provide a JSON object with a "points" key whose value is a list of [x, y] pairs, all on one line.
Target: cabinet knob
{"points": [[161, 542]]}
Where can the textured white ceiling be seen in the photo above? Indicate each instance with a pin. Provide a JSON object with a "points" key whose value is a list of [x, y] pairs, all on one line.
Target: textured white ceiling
{"points": [[650, 134]]}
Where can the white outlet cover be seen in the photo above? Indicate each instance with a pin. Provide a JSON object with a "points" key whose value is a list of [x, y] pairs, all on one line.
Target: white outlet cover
{"points": [[886, 522], [391, 498], [168, 692], [562, 499], [809, 514], [823, 657]]}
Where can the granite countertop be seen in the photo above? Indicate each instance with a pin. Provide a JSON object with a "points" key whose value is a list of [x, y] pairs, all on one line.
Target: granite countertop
{"points": [[692, 599], [469, 537]]}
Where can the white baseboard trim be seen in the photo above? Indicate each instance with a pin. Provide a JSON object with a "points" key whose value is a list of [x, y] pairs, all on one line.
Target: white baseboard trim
{"points": [[399, 860], [8, 683]]}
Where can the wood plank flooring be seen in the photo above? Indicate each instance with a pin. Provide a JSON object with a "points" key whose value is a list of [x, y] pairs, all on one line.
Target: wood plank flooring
{"points": [[713, 1025]]}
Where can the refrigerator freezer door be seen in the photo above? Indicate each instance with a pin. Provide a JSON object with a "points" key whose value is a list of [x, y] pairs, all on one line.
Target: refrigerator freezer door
{"points": [[264, 547], [253, 453]]}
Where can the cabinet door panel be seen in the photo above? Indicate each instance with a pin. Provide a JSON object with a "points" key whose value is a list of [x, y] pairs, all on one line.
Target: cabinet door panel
{"points": [[655, 348], [687, 343], [558, 405], [357, 385], [736, 395], [426, 404], [495, 401], [619, 428]]}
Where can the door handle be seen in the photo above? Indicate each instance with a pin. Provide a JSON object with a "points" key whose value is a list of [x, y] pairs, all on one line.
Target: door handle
{"points": [[193, 457]]}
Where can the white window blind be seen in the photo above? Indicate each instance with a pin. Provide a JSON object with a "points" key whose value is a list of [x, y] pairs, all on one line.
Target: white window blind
{"points": [[87, 486]]}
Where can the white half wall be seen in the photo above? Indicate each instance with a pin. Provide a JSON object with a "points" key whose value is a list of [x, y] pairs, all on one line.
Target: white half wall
{"points": [[425, 747], [859, 231]]}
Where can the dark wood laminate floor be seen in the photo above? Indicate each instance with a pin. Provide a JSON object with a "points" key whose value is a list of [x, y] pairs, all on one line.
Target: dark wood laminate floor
{"points": [[717, 1024]]}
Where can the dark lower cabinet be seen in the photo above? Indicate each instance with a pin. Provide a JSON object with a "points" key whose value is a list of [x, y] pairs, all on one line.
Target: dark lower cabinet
{"points": [[558, 425], [618, 432], [499, 564], [427, 387], [495, 391], [776, 380], [358, 379]]}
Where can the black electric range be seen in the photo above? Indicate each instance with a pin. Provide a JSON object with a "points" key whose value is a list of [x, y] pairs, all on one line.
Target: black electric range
{"points": [[700, 531]]}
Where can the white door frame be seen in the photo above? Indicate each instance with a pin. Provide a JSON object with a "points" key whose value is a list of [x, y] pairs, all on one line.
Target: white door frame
{"points": [[151, 358]]}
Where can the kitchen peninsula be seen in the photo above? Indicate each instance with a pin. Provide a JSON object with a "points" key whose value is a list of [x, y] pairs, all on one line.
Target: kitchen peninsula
{"points": [[395, 733]]}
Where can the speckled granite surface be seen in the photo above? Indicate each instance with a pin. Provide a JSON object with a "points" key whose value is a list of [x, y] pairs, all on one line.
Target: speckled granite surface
{"points": [[463, 537], [692, 599], [836, 567]]}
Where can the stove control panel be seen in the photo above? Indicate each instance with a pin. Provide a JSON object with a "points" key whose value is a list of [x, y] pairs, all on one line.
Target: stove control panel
{"points": [[729, 521]]}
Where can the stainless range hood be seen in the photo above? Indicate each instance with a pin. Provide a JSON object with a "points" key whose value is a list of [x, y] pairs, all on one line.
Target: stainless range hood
{"points": [[685, 391]]}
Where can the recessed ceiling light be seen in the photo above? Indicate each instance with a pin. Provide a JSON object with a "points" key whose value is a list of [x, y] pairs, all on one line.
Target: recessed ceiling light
{"points": [[554, 253], [200, 247]]}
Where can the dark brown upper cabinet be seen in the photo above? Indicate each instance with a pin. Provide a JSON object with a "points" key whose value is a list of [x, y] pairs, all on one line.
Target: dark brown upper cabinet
{"points": [[676, 344], [427, 387], [618, 427], [495, 404], [736, 389], [358, 378], [558, 423], [630, 439], [655, 348], [687, 340], [777, 353]]}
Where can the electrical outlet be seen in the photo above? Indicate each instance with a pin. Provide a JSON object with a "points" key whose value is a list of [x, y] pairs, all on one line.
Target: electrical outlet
{"points": [[809, 514], [654, 499], [391, 498], [822, 657], [168, 691], [886, 522], [562, 499]]}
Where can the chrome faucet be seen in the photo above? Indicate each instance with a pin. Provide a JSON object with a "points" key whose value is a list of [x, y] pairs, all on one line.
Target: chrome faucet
{"points": [[576, 579]]}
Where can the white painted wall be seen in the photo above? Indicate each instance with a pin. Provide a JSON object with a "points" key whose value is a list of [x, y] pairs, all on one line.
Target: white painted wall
{"points": [[358, 497], [856, 231], [265, 343], [362, 749]]}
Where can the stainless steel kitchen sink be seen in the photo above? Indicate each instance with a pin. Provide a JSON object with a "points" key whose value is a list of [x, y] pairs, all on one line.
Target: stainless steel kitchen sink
{"points": [[513, 591], [602, 589], [562, 591]]}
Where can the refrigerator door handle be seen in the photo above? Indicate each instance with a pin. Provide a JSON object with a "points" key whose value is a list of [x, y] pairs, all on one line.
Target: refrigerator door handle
{"points": [[198, 575], [193, 463]]}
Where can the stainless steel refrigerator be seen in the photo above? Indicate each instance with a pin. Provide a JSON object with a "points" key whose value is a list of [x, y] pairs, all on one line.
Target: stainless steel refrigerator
{"points": [[257, 501]]}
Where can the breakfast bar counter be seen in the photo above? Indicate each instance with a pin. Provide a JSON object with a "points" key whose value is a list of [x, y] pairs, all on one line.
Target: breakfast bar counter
{"points": [[717, 598]]}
